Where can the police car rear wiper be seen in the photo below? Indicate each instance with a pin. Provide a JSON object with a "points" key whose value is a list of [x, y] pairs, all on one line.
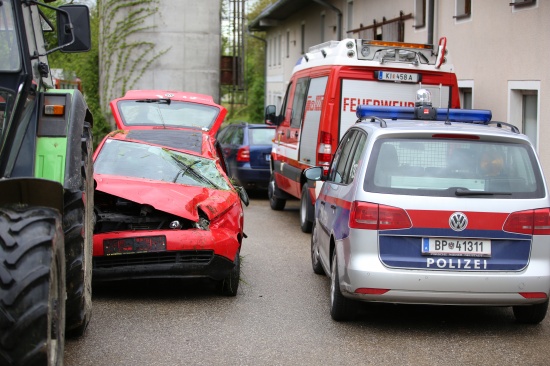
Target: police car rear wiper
{"points": [[466, 192]]}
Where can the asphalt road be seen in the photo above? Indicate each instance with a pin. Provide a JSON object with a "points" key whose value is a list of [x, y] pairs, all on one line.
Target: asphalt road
{"points": [[281, 317]]}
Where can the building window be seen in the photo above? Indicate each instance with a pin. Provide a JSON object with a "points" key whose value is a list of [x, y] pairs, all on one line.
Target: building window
{"points": [[463, 9], [524, 108], [280, 49], [522, 3], [466, 93], [303, 38], [350, 15], [529, 124], [420, 14], [268, 56], [322, 24], [466, 100], [287, 44]]}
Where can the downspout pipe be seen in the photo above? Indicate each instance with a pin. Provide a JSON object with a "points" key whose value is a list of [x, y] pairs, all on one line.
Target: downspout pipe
{"points": [[431, 16], [265, 62], [338, 15]]}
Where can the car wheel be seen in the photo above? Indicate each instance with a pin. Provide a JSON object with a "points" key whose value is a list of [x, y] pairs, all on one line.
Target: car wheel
{"points": [[306, 209], [276, 203], [341, 308], [315, 263], [32, 287], [531, 314], [230, 284]]}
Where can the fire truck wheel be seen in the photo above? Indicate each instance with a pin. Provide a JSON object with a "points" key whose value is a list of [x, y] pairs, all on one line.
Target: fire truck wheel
{"points": [[78, 227], [276, 203], [306, 211], [32, 286]]}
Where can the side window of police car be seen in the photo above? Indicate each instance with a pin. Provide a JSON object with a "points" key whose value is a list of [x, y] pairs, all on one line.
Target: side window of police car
{"points": [[344, 158]]}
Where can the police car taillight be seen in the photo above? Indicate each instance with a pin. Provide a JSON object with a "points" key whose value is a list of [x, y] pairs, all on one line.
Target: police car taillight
{"points": [[530, 222], [324, 152], [371, 216]]}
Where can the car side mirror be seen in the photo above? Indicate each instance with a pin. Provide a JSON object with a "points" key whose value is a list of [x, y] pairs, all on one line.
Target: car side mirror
{"points": [[314, 173], [271, 115], [73, 28], [243, 195]]}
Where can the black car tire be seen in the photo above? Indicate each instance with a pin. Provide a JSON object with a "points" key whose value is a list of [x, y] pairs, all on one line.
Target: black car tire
{"points": [[230, 284], [32, 286], [306, 211], [276, 203], [315, 262], [78, 226], [341, 308], [531, 314]]}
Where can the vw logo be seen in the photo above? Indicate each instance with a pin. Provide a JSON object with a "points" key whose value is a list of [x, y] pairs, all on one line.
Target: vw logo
{"points": [[458, 221]]}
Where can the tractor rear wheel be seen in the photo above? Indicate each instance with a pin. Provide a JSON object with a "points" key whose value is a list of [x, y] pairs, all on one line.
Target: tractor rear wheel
{"points": [[32, 286]]}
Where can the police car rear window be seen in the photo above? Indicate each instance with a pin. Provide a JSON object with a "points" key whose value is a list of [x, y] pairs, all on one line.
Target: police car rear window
{"points": [[443, 167]]}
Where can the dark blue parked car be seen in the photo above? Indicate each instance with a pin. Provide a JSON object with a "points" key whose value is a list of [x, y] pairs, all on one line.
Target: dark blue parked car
{"points": [[247, 150]]}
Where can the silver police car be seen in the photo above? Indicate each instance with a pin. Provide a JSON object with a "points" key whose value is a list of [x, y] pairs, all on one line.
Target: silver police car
{"points": [[433, 206]]}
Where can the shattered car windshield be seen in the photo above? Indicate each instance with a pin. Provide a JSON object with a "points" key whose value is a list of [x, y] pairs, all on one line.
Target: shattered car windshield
{"points": [[137, 160], [164, 112]]}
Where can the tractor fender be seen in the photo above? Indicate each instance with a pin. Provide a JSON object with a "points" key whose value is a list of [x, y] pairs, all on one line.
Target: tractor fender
{"points": [[32, 192]]}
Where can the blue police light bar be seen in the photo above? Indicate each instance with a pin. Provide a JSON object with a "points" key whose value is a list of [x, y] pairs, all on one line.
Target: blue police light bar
{"points": [[443, 114]]}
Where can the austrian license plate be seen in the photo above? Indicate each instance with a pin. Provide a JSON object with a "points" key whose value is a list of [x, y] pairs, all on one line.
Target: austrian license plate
{"points": [[456, 247], [403, 77], [142, 244]]}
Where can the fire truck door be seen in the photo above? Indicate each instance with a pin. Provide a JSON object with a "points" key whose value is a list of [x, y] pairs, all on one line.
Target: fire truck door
{"points": [[311, 120]]}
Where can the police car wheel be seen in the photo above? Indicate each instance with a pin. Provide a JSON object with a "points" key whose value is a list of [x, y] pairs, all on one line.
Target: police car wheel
{"points": [[315, 262], [531, 314], [341, 308]]}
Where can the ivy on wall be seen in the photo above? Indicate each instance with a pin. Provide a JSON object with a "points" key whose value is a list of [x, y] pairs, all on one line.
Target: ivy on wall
{"points": [[124, 56]]}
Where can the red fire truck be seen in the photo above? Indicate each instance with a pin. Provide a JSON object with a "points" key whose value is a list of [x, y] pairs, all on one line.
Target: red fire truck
{"points": [[327, 85]]}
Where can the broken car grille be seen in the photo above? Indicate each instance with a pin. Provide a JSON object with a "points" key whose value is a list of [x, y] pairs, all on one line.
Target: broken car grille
{"points": [[125, 260]]}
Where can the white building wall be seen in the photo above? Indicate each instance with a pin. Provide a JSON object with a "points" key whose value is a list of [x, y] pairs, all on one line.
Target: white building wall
{"points": [[499, 52], [186, 56]]}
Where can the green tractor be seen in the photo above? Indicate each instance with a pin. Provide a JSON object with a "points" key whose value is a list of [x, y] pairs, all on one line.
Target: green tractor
{"points": [[46, 186]]}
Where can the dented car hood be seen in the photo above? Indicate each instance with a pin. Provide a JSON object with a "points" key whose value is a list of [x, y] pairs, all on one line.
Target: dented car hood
{"points": [[177, 199]]}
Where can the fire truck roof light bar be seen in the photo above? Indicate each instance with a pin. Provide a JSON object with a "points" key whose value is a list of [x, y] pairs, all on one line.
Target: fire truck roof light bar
{"points": [[443, 114]]}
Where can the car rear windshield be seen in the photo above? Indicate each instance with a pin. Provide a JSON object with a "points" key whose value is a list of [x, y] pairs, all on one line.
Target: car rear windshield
{"points": [[261, 136], [167, 113], [136, 160], [443, 167]]}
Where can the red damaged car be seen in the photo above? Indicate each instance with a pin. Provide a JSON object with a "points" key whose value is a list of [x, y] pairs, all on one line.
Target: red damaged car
{"points": [[164, 206]]}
